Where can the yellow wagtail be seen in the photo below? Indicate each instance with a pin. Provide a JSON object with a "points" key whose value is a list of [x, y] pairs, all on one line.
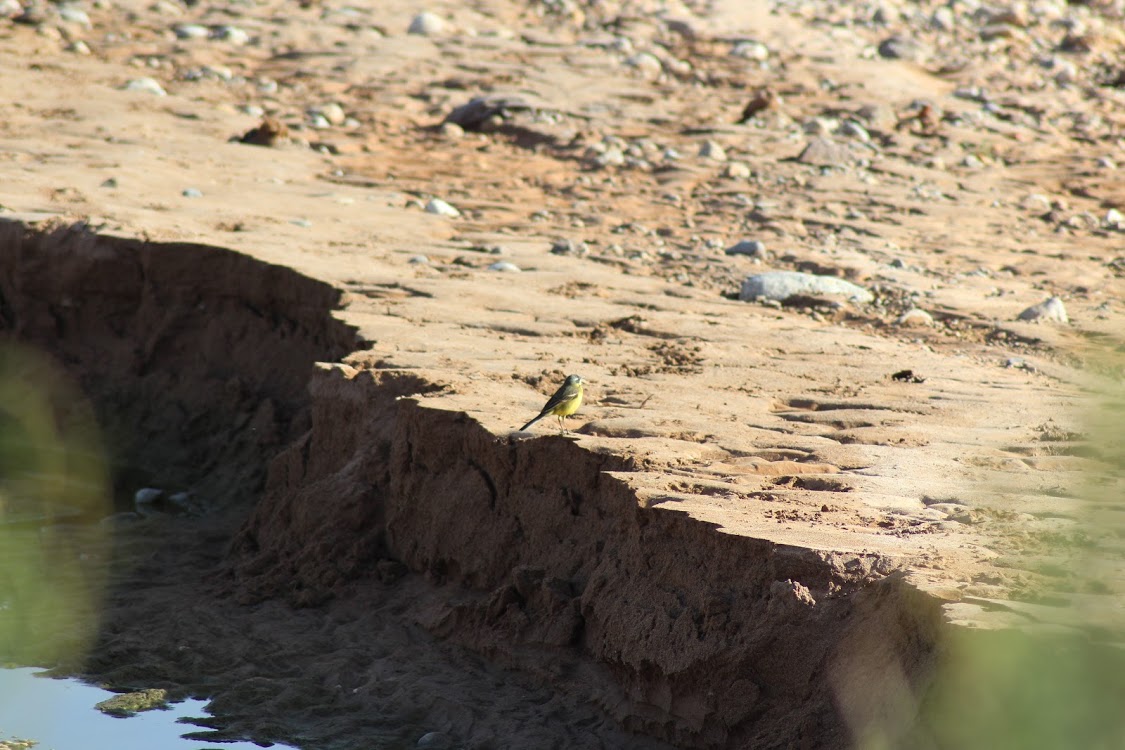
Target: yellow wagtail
{"points": [[565, 402]]}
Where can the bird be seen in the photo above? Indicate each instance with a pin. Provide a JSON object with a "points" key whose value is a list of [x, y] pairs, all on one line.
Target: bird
{"points": [[565, 402]]}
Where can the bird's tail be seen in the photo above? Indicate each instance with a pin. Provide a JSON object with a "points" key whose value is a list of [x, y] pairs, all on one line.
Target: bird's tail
{"points": [[531, 422]]}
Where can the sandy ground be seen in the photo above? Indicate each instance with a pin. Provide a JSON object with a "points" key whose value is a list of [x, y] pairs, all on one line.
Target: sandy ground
{"points": [[972, 176]]}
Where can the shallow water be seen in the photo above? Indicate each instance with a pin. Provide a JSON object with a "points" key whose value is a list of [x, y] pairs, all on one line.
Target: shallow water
{"points": [[59, 714]]}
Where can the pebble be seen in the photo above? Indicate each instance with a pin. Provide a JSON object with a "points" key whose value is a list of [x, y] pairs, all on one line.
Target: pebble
{"points": [[426, 24], [418, 260], [900, 47], [10, 8], [753, 248], [737, 170], [78, 47], [147, 85], [972, 161], [647, 64], [1114, 219], [1104, 162], [435, 741], [441, 208], [452, 131], [915, 318], [192, 193], [1036, 202], [781, 285], [825, 152], [74, 14], [147, 496], [713, 151], [570, 247], [191, 31], [751, 51], [852, 129], [332, 112], [504, 267], [1050, 310], [232, 34]]}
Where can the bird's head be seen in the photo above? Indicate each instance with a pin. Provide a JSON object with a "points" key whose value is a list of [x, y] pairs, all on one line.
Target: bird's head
{"points": [[575, 380]]}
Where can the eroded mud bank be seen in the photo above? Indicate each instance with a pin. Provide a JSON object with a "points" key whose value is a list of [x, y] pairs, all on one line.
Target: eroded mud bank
{"points": [[535, 553]]}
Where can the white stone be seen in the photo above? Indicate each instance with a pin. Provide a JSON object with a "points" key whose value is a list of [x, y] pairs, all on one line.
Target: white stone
{"points": [[647, 64], [191, 31], [751, 51], [755, 248], [147, 85], [504, 267], [713, 151], [915, 318], [781, 285], [441, 208], [1050, 310], [426, 24]]}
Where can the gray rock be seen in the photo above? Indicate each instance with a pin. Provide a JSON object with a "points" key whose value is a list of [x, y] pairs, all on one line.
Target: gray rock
{"points": [[713, 151], [435, 741], [570, 247], [1114, 219], [147, 496], [192, 193], [426, 24], [441, 208], [332, 112], [825, 152], [781, 285], [232, 34], [754, 248], [751, 51], [1050, 310], [418, 260], [504, 266], [900, 47], [75, 15], [191, 31], [647, 64]]}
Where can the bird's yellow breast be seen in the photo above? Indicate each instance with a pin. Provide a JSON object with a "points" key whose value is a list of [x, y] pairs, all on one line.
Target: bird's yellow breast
{"points": [[570, 405]]}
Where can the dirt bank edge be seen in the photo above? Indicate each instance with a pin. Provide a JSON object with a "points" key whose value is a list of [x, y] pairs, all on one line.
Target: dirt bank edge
{"points": [[552, 565]]}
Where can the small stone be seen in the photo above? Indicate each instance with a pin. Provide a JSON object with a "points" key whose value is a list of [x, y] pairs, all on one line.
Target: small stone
{"points": [[232, 34], [452, 131], [972, 161], [915, 318], [504, 266], [318, 121], [75, 15], [900, 47], [426, 24], [10, 8], [781, 285], [819, 125], [441, 208], [754, 248], [147, 496], [418, 260], [647, 64], [192, 193], [109, 183], [1114, 219], [713, 151], [611, 157], [1036, 203], [943, 19], [852, 129], [824, 152], [146, 85], [302, 223], [332, 112], [570, 247], [1050, 310], [1104, 162], [751, 51], [737, 170], [191, 31], [435, 741], [78, 47]]}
